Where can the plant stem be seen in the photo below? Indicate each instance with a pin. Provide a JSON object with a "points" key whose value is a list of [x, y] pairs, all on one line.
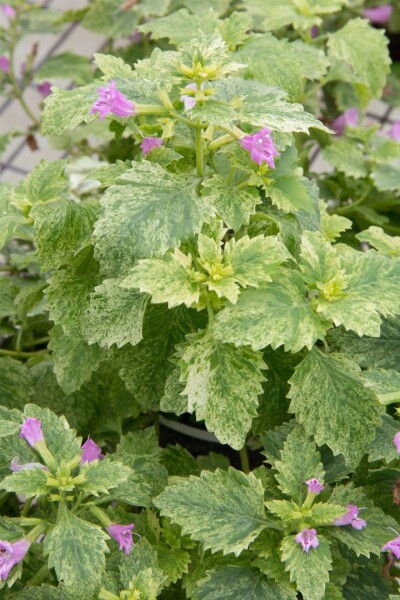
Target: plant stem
{"points": [[38, 577], [199, 150], [37, 342], [210, 313], [16, 354], [344, 210], [156, 424], [27, 507], [18, 92], [106, 595], [244, 459]]}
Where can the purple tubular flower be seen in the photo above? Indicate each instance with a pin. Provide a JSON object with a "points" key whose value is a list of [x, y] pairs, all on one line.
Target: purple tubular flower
{"points": [[149, 143], [4, 64], [8, 10], [379, 14], [261, 147], [394, 133], [314, 31], [123, 535], [31, 431], [110, 100], [188, 101], [90, 452], [44, 88], [308, 539], [348, 119], [351, 518], [15, 466], [393, 546], [314, 486], [11, 554]]}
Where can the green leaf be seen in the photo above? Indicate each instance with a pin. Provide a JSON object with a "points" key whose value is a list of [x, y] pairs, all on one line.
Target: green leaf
{"points": [[66, 65], [382, 447], [140, 571], [222, 385], [386, 178], [69, 291], [347, 158], [10, 217], [299, 461], [332, 225], [8, 427], [127, 226], [233, 582], [380, 353], [233, 205], [46, 182], [290, 193], [174, 563], [115, 315], [40, 21], [181, 27], [166, 279], [60, 228], [385, 244], [74, 360], [278, 315], [234, 29], [359, 54], [223, 510], [65, 109], [60, 439], [371, 538], [264, 106], [102, 476], [76, 550], [112, 66], [30, 482], [108, 18], [309, 570], [385, 383], [8, 293], [368, 289], [15, 385], [329, 399], [145, 367], [219, 6]]}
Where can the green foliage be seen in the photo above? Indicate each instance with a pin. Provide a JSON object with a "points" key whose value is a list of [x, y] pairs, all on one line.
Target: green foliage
{"points": [[223, 510], [329, 399], [309, 571], [66, 65]]}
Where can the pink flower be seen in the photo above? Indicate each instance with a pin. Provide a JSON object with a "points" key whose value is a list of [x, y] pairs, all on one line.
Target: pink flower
{"points": [[348, 119], [123, 535], [314, 31], [149, 143], [261, 147], [379, 15], [394, 133], [90, 452], [8, 10], [396, 441], [31, 431], [44, 88], [351, 518], [15, 465], [314, 486], [11, 554], [393, 546], [308, 539], [110, 100], [4, 64], [190, 101]]}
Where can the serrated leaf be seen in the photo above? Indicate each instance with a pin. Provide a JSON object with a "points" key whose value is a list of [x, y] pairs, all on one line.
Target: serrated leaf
{"points": [[46, 182], [360, 52], [385, 383], [112, 66], [265, 106], [128, 227], [60, 227], [223, 510], [180, 26], [165, 279], [373, 352], [385, 244], [382, 447], [347, 158], [300, 461], [102, 476], [222, 385], [233, 205], [15, 384], [10, 217], [66, 65], [108, 18], [309, 570], [232, 582], [115, 315], [8, 427], [377, 532], [332, 225], [60, 439], [370, 290], [76, 550], [386, 178], [329, 399], [30, 482], [174, 563], [290, 193], [65, 109], [144, 368], [278, 315], [140, 571]]}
